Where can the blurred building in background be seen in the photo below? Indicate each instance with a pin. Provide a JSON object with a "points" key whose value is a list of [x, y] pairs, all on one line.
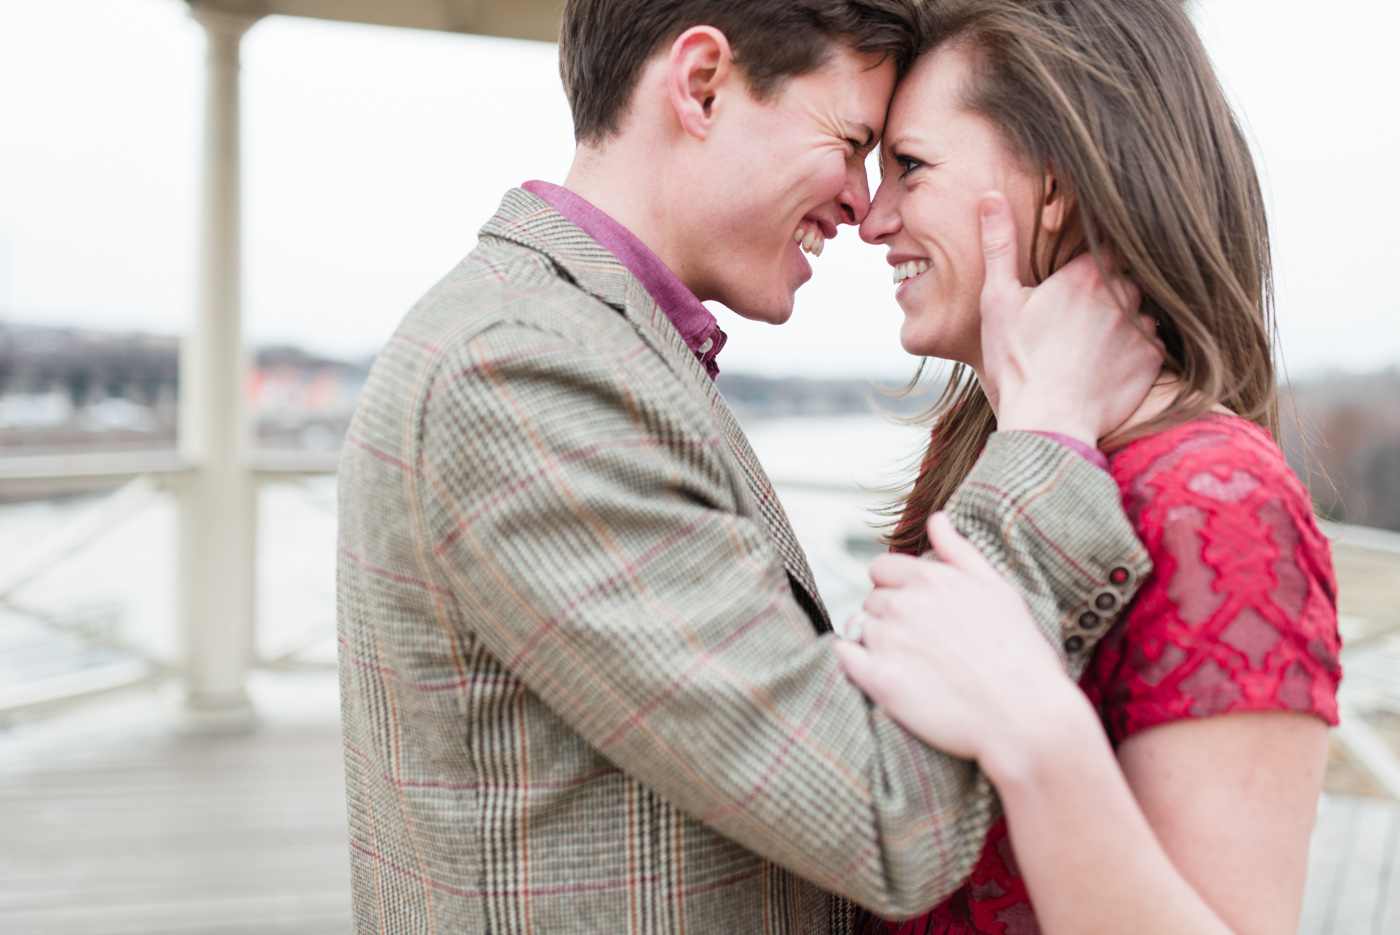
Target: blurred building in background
{"points": [[69, 390]]}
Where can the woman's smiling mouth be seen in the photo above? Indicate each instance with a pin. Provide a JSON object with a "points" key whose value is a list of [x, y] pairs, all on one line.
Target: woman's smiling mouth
{"points": [[909, 270]]}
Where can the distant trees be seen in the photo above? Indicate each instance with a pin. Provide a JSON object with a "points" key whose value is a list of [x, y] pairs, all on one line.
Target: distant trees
{"points": [[1345, 441]]}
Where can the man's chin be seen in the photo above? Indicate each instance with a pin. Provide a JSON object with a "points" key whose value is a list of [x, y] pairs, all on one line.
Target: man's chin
{"points": [[772, 307], [773, 312]]}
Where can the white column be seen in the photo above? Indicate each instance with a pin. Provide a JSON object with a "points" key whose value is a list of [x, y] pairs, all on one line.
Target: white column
{"points": [[217, 506]]}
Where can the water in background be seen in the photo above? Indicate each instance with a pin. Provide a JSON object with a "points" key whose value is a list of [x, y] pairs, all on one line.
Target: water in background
{"points": [[102, 611]]}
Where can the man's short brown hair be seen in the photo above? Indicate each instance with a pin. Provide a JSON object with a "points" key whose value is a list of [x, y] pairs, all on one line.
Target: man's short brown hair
{"points": [[603, 44]]}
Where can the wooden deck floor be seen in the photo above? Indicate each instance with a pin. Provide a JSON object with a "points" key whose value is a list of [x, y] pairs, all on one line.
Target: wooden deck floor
{"points": [[163, 834], [123, 831], [1353, 886]]}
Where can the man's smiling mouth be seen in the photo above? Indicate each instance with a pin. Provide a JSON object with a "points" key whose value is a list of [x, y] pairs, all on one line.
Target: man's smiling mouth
{"points": [[811, 239]]}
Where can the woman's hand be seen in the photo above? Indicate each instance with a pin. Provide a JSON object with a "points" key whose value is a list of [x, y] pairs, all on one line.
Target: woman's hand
{"points": [[952, 653], [950, 650]]}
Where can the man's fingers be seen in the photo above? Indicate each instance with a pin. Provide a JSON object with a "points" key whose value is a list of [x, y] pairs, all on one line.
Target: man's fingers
{"points": [[1149, 328], [998, 251], [956, 551], [1126, 293]]}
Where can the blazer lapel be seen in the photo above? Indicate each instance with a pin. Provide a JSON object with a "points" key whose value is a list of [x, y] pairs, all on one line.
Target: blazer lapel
{"points": [[779, 528], [525, 219]]}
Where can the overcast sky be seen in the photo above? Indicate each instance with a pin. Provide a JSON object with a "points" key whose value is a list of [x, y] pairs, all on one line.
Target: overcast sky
{"points": [[373, 155]]}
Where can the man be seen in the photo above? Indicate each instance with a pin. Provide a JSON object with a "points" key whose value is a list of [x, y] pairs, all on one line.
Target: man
{"points": [[586, 676]]}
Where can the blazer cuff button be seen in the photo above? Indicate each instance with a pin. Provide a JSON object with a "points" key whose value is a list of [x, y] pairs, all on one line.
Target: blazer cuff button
{"points": [[1088, 620], [1120, 576], [1074, 644]]}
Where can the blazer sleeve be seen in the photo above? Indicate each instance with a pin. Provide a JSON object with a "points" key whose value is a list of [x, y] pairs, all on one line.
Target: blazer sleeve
{"points": [[1053, 523], [588, 532]]}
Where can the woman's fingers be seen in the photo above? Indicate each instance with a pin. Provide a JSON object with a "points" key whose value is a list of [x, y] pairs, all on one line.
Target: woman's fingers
{"points": [[893, 571], [860, 667], [956, 551]]}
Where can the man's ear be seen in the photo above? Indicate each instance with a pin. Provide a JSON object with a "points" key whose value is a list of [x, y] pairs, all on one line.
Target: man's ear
{"points": [[700, 65], [1058, 204]]}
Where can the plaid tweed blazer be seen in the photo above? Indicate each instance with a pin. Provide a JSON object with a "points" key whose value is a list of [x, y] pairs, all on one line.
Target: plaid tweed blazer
{"points": [[587, 681]]}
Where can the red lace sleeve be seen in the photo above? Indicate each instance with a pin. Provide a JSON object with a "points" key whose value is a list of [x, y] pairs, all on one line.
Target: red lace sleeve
{"points": [[1240, 613]]}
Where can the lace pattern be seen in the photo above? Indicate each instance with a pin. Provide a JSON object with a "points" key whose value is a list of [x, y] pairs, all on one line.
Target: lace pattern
{"points": [[1239, 614]]}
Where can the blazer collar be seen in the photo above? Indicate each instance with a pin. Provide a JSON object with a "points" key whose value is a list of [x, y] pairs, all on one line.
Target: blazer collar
{"points": [[526, 219]]}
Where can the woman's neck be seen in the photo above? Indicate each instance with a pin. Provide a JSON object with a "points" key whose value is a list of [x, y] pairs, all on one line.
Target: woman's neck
{"points": [[1159, 400]]}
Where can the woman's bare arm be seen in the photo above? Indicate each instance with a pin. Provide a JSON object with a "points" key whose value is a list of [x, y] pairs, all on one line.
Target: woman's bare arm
{"points": [[1198, 826], [1202, 826]]}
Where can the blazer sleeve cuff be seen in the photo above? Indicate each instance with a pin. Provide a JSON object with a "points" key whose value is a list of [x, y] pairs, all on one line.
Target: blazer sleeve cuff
{"points": [[1054, 524]]}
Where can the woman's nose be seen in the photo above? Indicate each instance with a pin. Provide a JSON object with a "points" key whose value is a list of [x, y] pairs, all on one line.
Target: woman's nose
{"points": [[882, 219]]}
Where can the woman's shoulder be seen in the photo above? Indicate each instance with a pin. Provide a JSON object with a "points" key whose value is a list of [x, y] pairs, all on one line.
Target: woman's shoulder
{"points": [[1216, 461], [1239, 613]]}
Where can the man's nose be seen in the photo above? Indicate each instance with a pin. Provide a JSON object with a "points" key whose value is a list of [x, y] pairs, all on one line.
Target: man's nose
{"points": [[855, 197]]}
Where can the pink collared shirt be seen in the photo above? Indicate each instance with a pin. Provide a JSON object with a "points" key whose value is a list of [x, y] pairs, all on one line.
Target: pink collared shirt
{"points": [[696, 325], [1085, 450]]}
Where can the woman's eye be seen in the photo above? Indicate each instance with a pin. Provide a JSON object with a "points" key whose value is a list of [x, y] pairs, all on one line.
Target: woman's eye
{"points": [[906, 165]]}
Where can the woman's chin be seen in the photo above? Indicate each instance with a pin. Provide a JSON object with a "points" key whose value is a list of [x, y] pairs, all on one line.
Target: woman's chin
{"points": [[920, 344]]}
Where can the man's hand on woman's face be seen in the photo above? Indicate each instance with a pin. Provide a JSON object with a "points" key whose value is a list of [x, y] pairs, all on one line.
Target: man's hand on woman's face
{"points": [[1060, 357]]}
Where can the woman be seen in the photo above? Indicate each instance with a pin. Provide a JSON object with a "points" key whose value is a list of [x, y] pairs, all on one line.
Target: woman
{"points": [[1185, 773]]}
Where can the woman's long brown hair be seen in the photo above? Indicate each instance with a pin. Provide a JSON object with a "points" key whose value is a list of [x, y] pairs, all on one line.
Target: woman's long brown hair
{"points": [[1118, 99]]}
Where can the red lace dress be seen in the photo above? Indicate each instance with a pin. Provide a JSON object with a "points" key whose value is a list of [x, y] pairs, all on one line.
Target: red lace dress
{"points": [[1239, 614]]}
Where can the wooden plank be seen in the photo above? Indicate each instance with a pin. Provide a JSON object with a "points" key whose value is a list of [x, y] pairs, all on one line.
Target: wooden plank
{"points": [[235, 835], [1354, 905], [1386, 917], [243, 835], [1327, 862]]}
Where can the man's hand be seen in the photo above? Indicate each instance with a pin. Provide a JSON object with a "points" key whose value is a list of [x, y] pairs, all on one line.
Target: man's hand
{"points": [[1065, 356]]}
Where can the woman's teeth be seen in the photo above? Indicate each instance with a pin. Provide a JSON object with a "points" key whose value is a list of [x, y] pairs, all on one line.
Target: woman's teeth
{"points": [[909, 270], [811, 240]]}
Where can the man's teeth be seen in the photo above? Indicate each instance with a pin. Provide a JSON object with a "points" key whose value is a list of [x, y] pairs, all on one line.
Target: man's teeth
{"points": [[909, 270], [811, 240]]}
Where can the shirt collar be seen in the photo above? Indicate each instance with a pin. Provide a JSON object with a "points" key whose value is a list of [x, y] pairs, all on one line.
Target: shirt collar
{"points": [[686, 313]]}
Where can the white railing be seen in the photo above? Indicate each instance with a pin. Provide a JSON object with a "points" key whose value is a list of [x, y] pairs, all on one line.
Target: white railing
{"points": [[1368, 567], [1368, 573], [141, 478]]}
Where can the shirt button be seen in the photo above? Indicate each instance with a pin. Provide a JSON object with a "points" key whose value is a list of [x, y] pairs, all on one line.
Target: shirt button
{"points": [[1119, 575], [1074, 644], [709, 343], [1089, 620]]}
